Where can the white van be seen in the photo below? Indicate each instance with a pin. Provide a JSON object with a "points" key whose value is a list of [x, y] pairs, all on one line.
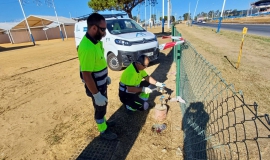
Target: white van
{"points": [[125, 40]]}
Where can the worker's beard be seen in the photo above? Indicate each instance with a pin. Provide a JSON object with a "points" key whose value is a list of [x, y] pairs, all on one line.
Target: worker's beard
{"points": [[98, 36]]}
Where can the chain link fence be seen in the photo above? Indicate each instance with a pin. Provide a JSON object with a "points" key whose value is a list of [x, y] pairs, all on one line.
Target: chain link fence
{"points": [[217, 123]]}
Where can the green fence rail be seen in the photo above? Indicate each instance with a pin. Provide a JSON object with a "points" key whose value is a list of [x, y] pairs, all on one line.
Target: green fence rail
{"points": [[217, 123]]}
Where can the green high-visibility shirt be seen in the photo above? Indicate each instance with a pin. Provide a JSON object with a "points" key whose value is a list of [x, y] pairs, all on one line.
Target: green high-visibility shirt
{"points": [[132, 76], [91, 55]]}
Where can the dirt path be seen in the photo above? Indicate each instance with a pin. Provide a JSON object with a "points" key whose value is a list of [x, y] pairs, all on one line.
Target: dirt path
{"points": [[45, 113]]}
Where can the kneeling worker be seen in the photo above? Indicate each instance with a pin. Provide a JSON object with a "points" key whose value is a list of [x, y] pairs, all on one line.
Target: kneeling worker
{"points": [[133, 92]]}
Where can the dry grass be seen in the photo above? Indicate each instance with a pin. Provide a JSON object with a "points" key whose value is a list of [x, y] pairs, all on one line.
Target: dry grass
{"points": [[249, 20], [252, 77]]}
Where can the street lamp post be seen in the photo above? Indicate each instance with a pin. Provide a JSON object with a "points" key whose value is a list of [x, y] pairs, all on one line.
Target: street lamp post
{"points": [[188, 12], [162, 16], [195, 10], [32, 38], [220, 18], [61, 33], [51, 3], [212, 12], [145, 15], [168, 16], [150, 20]]}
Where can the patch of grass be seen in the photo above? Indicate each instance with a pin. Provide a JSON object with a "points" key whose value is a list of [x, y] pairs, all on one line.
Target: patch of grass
{"points": [[250, 20], [238, 36], [57, 134], [75, 116], [261, 38]]}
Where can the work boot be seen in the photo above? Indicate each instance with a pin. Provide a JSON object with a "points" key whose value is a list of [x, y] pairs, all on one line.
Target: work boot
{"points": [[108, 135]]}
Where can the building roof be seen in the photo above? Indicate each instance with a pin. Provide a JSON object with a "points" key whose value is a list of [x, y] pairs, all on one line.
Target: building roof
{"points": [[261, 3], [38, 21], [7, 26]]}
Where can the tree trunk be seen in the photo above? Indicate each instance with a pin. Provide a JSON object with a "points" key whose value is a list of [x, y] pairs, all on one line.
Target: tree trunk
{"points": [[129, 14]]}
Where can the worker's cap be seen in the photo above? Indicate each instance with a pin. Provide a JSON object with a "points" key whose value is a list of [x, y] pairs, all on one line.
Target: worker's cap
{"points": [[141, 59]]}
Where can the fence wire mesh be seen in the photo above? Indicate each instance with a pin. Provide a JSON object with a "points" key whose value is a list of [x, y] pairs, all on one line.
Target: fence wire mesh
{"points": [[217, 123]]}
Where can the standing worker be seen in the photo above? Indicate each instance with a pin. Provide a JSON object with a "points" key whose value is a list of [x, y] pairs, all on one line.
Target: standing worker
{"points": [[94, 72], [133, 92]]}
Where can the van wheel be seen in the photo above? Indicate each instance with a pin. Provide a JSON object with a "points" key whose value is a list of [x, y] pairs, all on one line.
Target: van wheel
{"points": [[113, 62]]}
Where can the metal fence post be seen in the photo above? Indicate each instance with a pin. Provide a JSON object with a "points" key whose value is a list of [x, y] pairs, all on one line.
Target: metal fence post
{"points": [[178, 58], [173, 33]]}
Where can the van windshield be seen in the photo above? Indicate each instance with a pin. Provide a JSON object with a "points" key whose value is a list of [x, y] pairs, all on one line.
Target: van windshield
{"points": [[120, 26]]}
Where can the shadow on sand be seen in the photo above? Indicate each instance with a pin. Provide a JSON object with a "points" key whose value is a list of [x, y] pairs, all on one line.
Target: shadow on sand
{"points": [[194, 125], [3, 49], [127, 127]]}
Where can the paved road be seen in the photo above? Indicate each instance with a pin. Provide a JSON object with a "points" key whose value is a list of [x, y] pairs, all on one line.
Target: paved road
{"points": [[263, 30]]}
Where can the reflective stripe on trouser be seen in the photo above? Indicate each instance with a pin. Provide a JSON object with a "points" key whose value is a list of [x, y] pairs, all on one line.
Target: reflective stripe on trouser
{"points": [[143, 96], [137, 103], [101, 124], [130, 108]]}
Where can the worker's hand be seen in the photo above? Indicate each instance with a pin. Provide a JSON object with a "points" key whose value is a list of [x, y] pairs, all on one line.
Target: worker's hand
{"points": [[100, 100], [147, 90], [159, 84], [108, 80]]}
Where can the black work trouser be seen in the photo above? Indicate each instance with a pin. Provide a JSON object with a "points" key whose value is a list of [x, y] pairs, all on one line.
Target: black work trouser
{"points": [[133, 100], [100, 111]]}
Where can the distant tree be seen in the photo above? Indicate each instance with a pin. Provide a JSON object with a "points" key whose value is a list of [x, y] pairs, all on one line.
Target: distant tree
{"points": [[217, 13], [119, 5], [210, 14], [185, 16], [234, 12], [180, 18], [204, 14], [165, 18], [172, 19], [153, 16]]}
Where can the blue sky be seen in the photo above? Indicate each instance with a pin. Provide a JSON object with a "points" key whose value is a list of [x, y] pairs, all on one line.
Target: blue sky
{"points": [[10, 10]]}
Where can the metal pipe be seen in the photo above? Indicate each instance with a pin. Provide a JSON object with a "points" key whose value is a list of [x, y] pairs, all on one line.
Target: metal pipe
{"points": [[44, 30], [33, 40], [11, 36], [220, 18], [65, 30], [145, 15], [150, 20], [195, 10], [26, 32], [168, 16], [61, 33], [163, 16]]}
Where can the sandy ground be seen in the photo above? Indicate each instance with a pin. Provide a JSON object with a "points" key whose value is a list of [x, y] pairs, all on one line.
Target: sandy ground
{"points": [[45, 113]]}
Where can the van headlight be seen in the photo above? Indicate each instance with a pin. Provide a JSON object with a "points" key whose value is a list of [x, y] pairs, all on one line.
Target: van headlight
{"points": [[122, 42]]}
